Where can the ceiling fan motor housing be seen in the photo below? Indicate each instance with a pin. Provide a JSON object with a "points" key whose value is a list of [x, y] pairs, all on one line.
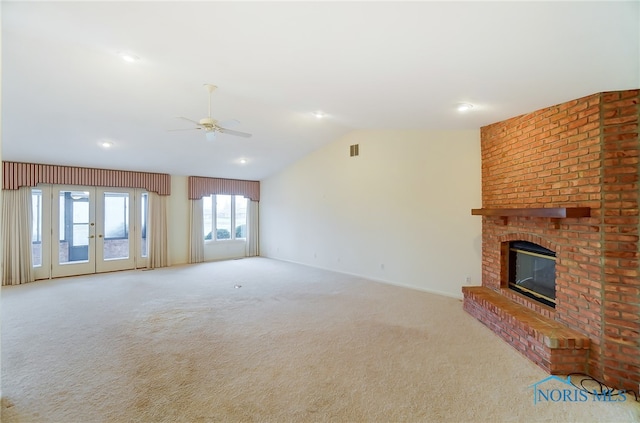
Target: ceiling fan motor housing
{"points": [[208, 123]]}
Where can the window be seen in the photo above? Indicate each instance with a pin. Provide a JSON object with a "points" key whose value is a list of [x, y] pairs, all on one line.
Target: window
{"points": [[225, 217]]}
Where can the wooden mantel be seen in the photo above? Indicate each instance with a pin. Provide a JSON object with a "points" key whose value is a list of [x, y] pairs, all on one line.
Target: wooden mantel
{"points": [[555, 212]]}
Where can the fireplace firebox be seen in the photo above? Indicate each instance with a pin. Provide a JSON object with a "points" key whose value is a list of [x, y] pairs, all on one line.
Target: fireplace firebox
{"points": [[532, 271]]}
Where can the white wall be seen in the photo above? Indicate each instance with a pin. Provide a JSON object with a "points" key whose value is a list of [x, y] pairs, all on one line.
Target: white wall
{"points": [[228, 249], [399, 213], [178, 220]]}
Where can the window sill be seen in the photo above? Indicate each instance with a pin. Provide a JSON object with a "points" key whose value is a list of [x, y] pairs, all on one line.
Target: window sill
{"points": [[230, 241]]}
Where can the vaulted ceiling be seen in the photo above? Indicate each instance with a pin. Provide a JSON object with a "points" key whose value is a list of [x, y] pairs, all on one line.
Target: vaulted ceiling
{"points": [[366, 65]]}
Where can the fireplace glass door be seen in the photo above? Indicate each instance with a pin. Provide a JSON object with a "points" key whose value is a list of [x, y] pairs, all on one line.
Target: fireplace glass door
{"points": [[532, 271]]}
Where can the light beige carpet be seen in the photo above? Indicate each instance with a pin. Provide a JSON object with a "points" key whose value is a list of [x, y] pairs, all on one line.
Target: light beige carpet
{"points": [[289, 344]]}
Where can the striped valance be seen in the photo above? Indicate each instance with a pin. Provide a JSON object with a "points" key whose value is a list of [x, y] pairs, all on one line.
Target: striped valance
{"points": [[200, 187], [16, 175]]}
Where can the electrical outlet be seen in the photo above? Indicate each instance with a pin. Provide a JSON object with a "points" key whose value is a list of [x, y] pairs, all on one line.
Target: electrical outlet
{"points": [[468, 279]]}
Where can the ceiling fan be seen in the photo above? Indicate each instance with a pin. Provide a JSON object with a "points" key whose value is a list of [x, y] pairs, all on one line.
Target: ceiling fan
{"points": [[210, 125]]}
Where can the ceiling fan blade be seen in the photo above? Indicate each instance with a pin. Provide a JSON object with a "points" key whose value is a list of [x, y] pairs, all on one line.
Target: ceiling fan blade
{"points": [[185, 129], [229, 123], [232, 132], [189, 120]]}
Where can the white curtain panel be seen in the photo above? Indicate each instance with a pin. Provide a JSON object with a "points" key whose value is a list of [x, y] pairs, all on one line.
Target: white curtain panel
{"points": [[158, 231], [252, 247], [16, 236], [196, 228]]}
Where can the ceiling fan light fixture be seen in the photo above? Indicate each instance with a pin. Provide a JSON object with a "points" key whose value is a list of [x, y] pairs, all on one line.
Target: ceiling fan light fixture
{"points": [[211, 135]]}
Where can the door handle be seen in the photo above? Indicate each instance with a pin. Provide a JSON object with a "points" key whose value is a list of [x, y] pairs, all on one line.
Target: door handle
{"points": [[100, 236], [92, 236]]}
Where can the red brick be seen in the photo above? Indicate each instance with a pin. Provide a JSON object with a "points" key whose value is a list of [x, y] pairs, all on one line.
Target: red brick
{"points": [[580, 153]]}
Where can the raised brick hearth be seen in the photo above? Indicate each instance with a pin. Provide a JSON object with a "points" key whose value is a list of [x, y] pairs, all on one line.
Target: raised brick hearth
{"points": [[582, 153], [546, 342]]}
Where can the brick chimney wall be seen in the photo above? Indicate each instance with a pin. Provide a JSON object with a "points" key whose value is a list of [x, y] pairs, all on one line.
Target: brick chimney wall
{"points": [[582, 153]]}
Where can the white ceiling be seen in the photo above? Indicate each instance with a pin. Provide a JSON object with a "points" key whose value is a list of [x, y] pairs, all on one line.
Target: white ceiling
{"points": [[368, 65]]}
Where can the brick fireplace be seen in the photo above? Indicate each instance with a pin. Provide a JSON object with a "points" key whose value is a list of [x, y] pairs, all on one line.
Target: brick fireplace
{"points": [[579, 160]]}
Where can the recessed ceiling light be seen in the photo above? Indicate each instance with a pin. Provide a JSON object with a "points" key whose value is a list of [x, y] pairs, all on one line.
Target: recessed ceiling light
{"points": [[243, 161], [464, 107], [320, 114], [105, 144], [128, 56]]}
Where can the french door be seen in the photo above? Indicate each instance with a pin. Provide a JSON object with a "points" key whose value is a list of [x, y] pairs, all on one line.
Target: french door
{"points": [[83, 230]]}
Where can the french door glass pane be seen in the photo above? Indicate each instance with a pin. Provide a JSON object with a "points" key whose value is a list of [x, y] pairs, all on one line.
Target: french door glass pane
{"points": [[36, 224], [74, 226], [116, 225], [80, 234]]}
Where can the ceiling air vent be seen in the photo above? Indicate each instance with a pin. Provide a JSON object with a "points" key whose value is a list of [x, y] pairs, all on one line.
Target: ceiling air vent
{"points": [[354, 150]]}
